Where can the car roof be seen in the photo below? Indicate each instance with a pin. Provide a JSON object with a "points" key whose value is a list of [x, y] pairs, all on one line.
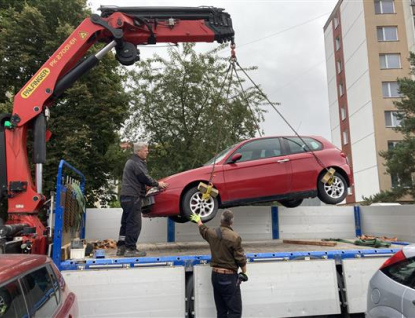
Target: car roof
{"points": [[320, 138], [12, 265]]}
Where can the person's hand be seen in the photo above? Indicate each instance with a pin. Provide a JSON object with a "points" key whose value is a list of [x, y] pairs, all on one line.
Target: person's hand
{"points": [[195, 218], [243, 277], [163, 185]]}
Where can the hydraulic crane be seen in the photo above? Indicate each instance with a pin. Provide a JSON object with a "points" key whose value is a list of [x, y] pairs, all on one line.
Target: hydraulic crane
{"points": [[121, 28]]}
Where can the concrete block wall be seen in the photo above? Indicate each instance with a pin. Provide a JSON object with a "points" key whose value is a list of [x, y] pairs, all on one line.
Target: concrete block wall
{"points": [[253, 223], [391, 221]]}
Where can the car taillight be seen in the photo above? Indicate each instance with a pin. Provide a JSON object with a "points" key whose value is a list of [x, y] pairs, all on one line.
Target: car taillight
{"points": [[343, 154], [398, 257]]}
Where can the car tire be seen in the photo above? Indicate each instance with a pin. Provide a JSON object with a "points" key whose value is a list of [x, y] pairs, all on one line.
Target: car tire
{"points": [[291, 203], [193, 203], [333, 193]]}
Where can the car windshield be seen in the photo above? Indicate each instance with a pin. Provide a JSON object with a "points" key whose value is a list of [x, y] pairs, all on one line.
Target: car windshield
{"points": [[219, 156]]}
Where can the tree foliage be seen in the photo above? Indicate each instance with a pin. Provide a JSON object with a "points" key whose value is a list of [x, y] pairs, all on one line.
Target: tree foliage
{"points": [[85, 120], [189, 107], [400, 160]]}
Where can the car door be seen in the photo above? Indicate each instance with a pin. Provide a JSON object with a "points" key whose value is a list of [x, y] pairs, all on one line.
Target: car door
{"points": [[41, 292], [261, 172], [305, 168]]}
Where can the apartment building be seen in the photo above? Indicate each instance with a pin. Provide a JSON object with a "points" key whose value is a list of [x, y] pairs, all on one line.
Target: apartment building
{"points": [[367, 44]]}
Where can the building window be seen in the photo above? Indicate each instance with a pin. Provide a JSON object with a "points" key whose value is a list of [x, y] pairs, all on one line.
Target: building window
{"points": [[390, 60], [339, 66], [397, 181], [392, 144], [390, 89], [391, 119], [389, 33], [345, 138], [384, 6], [341, 89], [343, 113], [336, 22], [337, 43]]}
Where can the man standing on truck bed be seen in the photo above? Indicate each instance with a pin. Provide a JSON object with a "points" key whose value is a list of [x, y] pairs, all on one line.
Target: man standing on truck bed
{"points": [[227, 256], [135, 178]]}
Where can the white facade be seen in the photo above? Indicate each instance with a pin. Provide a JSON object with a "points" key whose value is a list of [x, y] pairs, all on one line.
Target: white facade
{"points": [[362, 132]]}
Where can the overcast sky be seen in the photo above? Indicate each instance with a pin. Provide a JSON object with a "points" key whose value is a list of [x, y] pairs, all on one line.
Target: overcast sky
{"points": [[285, 40]]}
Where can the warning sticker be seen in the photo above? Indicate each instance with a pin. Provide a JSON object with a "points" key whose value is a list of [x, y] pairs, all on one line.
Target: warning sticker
{"points": [[83, 35], [35, 83]]}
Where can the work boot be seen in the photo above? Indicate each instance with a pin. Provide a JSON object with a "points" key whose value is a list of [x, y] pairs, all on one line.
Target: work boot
{"points": [[121, 250], [134, 253]]}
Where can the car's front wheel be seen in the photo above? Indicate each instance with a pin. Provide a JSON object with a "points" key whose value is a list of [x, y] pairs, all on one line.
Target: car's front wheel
{"points": [[194, 203], [334, 191], [291, 203]]}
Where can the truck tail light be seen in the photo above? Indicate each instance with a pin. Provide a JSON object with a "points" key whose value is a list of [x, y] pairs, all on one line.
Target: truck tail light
{"points": [[397, 258]]}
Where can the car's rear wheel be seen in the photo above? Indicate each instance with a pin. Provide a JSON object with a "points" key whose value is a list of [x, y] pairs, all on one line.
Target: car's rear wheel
{"points": [[334, 191], [194, 203], [291, 203]]}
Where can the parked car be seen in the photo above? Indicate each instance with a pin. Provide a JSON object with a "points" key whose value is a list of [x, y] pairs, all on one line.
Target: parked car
{"points": [[32, 286], [391, 290], [283, 169]]}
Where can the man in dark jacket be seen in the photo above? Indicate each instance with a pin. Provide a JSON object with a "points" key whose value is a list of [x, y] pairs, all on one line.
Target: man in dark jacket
{"points": [[135, 178], [227, 256]]}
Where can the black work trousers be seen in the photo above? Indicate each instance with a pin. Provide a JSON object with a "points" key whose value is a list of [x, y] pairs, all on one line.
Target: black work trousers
{"points": [[227, 293], [130, 221]]}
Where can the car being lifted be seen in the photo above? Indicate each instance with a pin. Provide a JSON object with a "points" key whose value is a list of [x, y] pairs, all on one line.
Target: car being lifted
{"points": [[286, 169]]}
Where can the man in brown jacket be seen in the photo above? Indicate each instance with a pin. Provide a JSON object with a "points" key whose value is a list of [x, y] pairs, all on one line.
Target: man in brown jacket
{"points": [[227, 256]]}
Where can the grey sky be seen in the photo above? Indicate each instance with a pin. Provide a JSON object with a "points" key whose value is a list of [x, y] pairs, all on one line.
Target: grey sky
{"points": [[285, 40]]}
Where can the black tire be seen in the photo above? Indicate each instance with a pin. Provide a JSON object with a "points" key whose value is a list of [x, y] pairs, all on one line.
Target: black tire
{"points": [[291, 203], [334, 192], [193, 202]]}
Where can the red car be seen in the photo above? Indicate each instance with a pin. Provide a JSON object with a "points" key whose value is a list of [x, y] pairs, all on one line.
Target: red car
{"points": [[266, 169], [32, 286]]}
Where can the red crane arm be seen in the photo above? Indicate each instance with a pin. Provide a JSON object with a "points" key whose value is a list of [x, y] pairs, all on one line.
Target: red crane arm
{"points": [[120, 28]]}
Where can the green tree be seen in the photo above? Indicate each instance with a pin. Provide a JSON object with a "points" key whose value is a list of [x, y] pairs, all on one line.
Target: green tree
{"points": [[400, 160], [85, 120], [189, 108]]}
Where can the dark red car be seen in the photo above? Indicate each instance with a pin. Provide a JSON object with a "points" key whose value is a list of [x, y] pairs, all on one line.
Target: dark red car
{"points": [[32, 286], [283, 169]]}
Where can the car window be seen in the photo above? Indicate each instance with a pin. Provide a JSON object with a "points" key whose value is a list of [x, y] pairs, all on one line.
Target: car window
{"points": [[260, 149], [219, 156], [40, 291], [295, 145], [402, 272], [11, 301]]}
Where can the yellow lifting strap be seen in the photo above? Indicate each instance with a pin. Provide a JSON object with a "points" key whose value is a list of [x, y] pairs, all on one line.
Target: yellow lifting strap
{"points": [[328, 177], [207, 190]]}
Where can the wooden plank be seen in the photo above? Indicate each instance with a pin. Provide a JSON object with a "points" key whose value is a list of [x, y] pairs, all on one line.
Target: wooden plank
{"points": [[65, 252], [318, 243]]}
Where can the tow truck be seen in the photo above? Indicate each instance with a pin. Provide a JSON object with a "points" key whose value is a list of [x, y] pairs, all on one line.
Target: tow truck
{"points": [[285, 281], [120, 28]]}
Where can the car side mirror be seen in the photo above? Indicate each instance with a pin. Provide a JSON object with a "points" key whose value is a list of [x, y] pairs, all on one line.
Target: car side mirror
{"points": [[236, 157]]}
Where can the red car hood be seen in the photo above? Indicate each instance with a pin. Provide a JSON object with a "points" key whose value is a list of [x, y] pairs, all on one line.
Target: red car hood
{"points": [[183, 178]]}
